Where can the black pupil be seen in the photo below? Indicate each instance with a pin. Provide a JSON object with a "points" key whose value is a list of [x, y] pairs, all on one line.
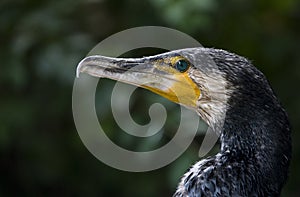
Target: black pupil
{"points": [[182, 65]]}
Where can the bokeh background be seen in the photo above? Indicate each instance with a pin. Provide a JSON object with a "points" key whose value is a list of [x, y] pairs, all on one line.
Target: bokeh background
{"points": [[41, 43]]}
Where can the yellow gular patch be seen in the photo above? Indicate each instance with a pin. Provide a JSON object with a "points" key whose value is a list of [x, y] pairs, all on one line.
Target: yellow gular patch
{"points": [[181, 88], [184, 90]]}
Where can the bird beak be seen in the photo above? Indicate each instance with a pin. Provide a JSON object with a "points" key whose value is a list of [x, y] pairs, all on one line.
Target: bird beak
{"points": [[155, 73]]}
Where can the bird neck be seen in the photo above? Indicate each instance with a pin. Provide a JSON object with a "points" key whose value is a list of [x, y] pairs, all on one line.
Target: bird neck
{"points": [[255, 126], [258, 134]]}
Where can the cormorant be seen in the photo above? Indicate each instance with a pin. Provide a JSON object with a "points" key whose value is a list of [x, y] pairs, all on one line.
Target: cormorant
{"points": [[234, 98]]}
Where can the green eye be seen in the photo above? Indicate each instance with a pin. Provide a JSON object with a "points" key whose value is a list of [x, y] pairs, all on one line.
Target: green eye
{"points": [[182, 65]]}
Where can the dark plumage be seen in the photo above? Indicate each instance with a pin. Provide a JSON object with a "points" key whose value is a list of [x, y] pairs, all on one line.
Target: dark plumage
{"points": [[255, 139], [234, 99]]}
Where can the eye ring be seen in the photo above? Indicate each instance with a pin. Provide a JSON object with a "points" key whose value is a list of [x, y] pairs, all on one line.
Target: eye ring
{"points": [[182, 65]]}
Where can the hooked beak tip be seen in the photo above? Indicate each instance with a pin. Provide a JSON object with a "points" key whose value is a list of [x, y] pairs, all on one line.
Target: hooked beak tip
{"points": [[83, 65], [79, 67]]}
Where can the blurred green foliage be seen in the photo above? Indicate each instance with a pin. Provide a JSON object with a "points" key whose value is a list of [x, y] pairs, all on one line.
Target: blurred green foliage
{"points": [[41, 43]]}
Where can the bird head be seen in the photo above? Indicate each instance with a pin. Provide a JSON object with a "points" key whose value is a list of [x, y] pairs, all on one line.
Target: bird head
{"points": [[198, 78]]}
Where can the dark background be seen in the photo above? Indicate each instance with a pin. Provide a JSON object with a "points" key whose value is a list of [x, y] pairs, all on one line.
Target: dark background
{"points": [[41, 43]]}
